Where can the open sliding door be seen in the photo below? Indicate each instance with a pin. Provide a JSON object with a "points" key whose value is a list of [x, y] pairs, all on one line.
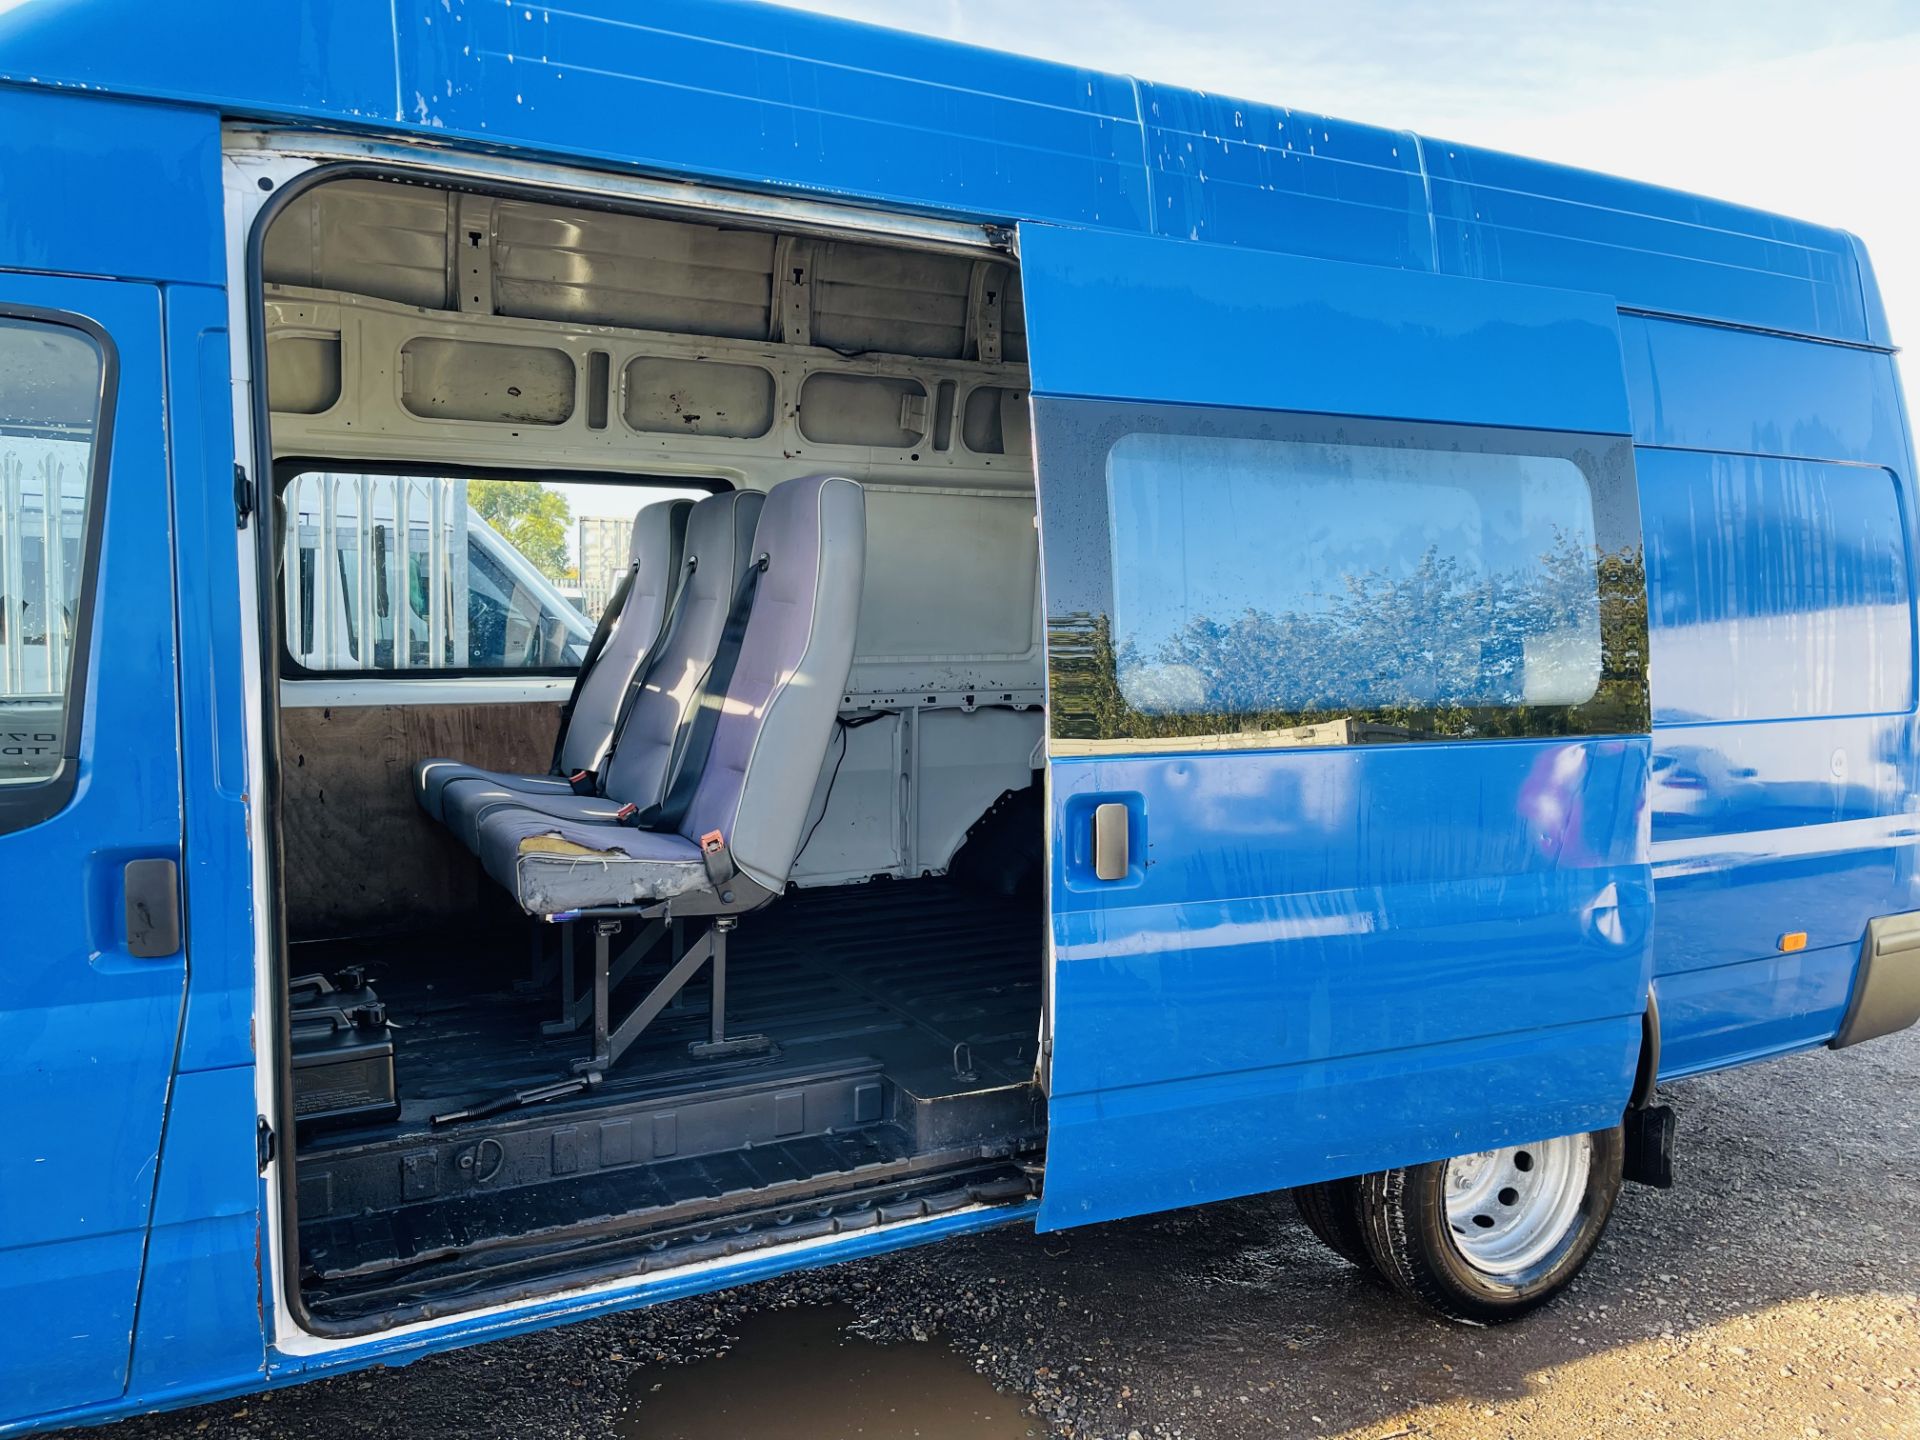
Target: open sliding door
{"points": [[1348, 717]]}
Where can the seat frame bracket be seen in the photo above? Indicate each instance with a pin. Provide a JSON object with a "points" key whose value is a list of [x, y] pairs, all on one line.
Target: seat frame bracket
{"points": [[613, 1039]]}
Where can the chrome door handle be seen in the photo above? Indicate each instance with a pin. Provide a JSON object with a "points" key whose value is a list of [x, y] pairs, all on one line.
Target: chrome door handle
{"points": [[1110, 841]]}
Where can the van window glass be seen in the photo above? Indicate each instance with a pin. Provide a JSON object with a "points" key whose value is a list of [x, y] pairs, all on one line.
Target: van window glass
{"points": [[1320, 580], [1776, 588], [51, 392], [451, 572]]}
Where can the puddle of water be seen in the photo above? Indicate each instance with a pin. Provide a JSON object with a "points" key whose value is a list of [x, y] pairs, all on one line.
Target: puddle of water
{"points": [[797, 1375]]}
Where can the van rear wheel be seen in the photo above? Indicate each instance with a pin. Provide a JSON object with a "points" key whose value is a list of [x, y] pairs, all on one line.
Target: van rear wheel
{"points": [[1331, 1210], [1489, 1236]]}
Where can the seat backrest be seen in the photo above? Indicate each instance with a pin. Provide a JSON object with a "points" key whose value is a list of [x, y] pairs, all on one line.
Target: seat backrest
{"points": [[784, 700], [719, 547], [654, 554]]}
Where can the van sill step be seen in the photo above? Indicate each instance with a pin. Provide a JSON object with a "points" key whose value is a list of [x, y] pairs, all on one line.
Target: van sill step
{"points": [[446, 1284]]}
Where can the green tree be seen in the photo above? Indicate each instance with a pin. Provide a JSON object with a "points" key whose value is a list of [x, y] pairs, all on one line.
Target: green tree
{"points": [[1437, 650], [533, 518]]}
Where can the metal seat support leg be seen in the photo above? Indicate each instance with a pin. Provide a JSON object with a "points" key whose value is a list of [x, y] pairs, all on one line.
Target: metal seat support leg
{"points": [[718, 1044], [541, 965], [576, 1008], [611, 1041]]}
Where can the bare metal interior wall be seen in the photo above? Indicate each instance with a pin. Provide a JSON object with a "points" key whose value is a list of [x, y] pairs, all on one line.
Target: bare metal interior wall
{"points": [[406, 321]]}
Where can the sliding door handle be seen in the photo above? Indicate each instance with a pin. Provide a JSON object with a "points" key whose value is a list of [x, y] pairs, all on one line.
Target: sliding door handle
{"points": [[1110, 858]]}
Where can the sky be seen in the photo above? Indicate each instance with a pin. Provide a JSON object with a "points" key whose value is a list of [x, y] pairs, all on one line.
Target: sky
{"points": [[1804, 108]]}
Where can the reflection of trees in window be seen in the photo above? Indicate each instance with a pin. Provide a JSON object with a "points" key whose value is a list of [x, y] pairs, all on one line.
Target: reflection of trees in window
{"points": [[1440, 650]]}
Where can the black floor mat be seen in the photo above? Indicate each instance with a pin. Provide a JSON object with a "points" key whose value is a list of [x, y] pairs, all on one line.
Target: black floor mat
{"points": [[938, 984], [906, 1017]]}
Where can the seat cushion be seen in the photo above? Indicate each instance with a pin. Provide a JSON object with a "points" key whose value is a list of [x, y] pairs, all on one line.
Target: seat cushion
{"points": [[559, 862], [465, 801], [432, 777]]}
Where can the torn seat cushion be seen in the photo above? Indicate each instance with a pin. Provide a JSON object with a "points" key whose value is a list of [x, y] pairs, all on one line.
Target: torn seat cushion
{"points": [[554, 862]]}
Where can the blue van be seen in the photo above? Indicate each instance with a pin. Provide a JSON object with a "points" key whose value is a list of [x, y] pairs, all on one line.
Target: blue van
{"points": [[644, 651]]}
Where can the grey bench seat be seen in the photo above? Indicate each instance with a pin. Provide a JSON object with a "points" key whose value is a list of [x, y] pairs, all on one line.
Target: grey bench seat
{"points": [[653, 570], [638, 760], [769, 734]]}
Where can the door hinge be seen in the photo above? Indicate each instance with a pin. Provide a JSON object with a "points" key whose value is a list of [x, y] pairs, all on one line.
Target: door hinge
{"points": [[263, 1144], [243, 496]]}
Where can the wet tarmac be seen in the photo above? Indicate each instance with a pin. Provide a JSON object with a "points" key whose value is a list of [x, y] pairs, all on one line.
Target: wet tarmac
{"points": [[800, 1375]]}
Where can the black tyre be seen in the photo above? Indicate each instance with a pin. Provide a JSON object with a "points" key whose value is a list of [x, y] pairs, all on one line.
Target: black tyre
{"points": [[1331, 1210], [1485, 1238]]}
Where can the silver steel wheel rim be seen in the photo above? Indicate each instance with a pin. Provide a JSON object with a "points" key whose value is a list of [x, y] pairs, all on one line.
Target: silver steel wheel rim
{"points": [[1509, 1209]]}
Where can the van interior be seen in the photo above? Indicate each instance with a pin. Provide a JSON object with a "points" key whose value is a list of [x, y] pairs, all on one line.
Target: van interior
{"points": [[592, 1043]]}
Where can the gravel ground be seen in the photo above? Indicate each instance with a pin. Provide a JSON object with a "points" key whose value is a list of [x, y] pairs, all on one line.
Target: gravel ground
{"points": [[1773, 1292]]}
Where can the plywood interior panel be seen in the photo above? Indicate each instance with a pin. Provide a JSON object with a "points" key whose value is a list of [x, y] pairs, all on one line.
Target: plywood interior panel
{"points": [[361, 856]]}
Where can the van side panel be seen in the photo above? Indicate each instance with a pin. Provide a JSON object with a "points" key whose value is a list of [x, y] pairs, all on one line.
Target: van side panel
{"points": [[1286, 995], [108, 187], [1710, 387], [1326, 955], [1269, 177], [321, 58], [1509, 217], [90, 1029], [780, 99], [213, 689], [200, 1323], [201, 1319], [1273, 178], [140, 1268], [1777, 512], [1358, 340], [749, 93]]}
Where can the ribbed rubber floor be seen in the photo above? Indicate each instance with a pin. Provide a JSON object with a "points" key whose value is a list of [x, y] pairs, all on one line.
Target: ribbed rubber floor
{"points": [[445, 1279], [940, 984], [931, 986], [661, 1189]]}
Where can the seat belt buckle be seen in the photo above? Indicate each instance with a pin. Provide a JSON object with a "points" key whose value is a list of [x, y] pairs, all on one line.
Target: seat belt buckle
{"points": [[715, 856], [627, 813], [583, 782]]}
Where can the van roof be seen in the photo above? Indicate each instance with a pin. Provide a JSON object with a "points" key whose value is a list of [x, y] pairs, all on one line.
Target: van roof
{"points": [[778, 99]]}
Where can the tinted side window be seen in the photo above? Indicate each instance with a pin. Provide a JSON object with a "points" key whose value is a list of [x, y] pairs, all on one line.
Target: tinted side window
{"points": [[53, 384], [1225, 578], [1269, 575]]}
